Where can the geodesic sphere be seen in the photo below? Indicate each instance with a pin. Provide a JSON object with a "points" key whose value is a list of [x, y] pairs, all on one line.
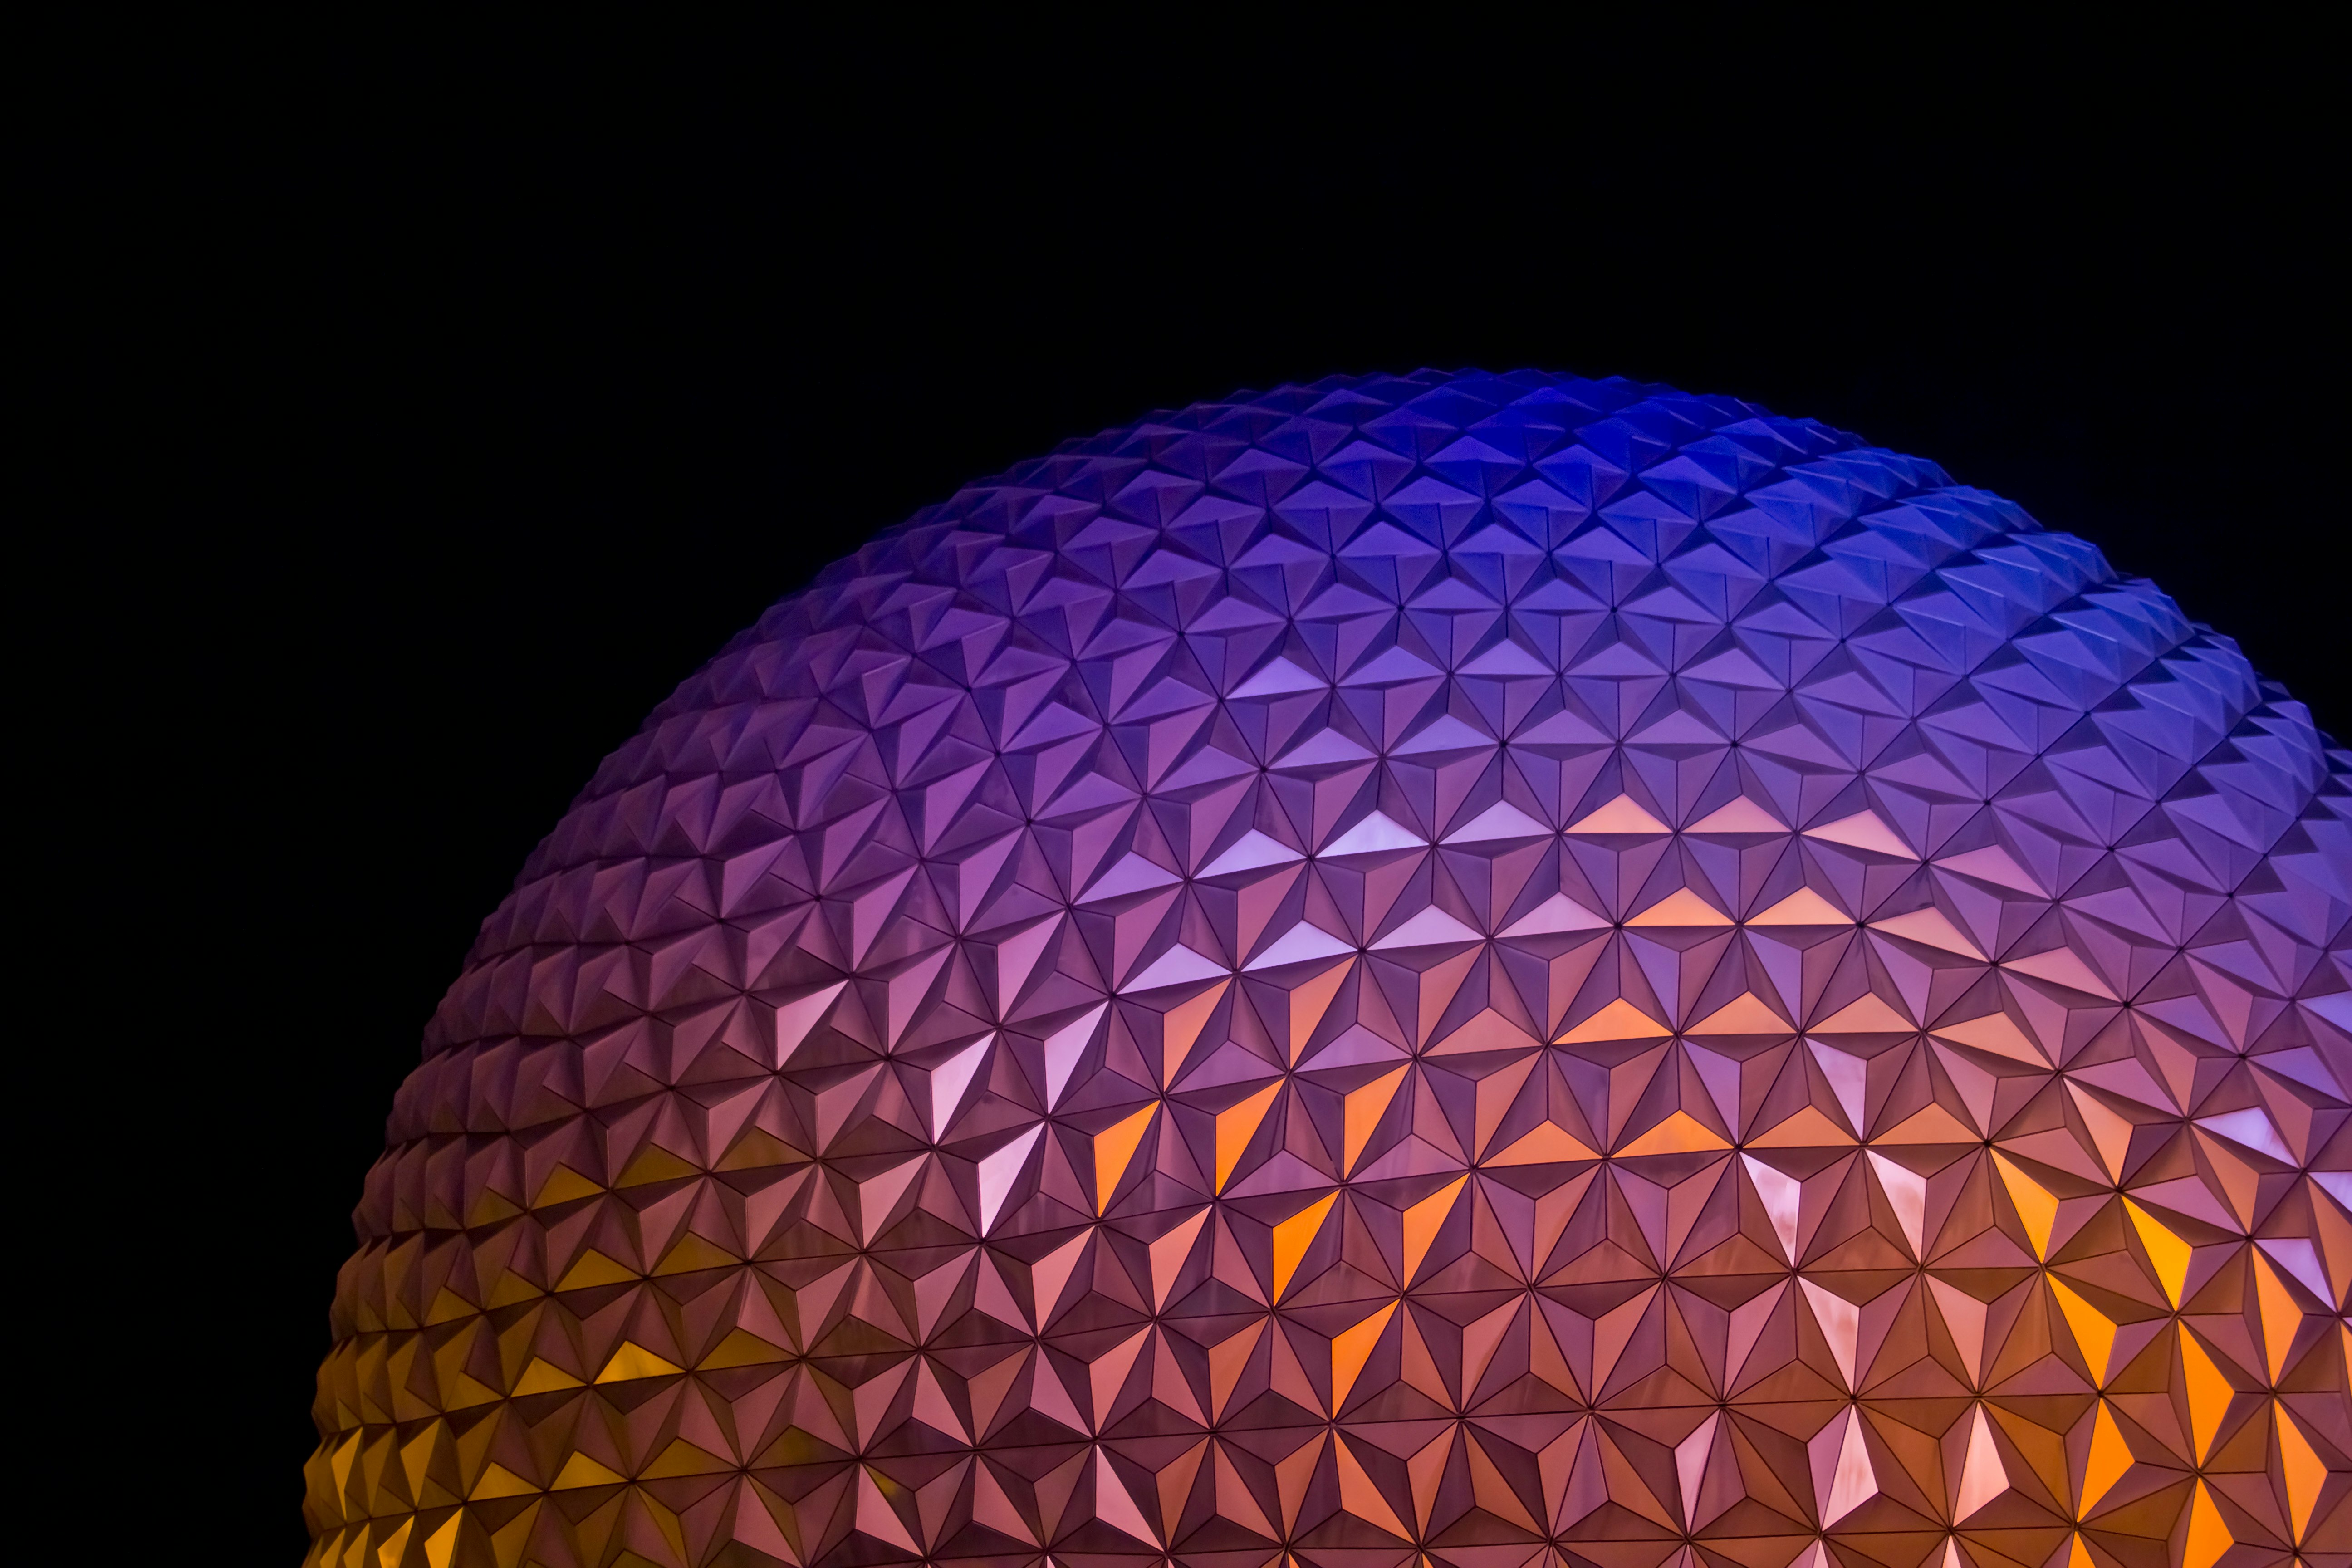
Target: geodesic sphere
{"points": [[1508, 969]]}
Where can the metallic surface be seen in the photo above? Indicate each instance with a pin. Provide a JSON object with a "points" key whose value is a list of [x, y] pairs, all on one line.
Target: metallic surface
{"points": [[1503, 970]]}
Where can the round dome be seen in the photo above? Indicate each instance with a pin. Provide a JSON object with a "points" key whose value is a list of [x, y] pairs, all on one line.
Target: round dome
{"points": [[1468, 967]]}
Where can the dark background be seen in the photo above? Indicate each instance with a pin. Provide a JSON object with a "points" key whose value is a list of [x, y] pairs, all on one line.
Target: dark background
{"points": [[442, 401]]}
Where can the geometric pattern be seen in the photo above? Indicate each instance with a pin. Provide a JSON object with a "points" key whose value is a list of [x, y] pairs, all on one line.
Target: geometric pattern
{"points": [[1478, 971]]}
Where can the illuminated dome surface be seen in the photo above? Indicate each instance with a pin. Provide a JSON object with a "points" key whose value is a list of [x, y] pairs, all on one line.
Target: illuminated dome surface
{"points": [[1505, 969]]}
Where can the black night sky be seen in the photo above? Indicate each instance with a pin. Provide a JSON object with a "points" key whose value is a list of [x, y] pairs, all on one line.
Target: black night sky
{"points": [[498, 382]]}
